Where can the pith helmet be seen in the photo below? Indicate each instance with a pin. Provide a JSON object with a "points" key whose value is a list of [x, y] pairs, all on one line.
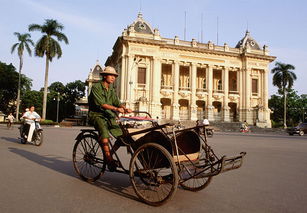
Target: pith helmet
{"points": [[109, 71]]}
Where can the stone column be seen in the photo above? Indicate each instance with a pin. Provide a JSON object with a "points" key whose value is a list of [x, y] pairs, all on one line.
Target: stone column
{"points": [[175, 106], [241, 95], [209, 79], [122, 75], [226, 91], [193, 106], [248, 87], [156, 87], [130, 81], [266, 109]]}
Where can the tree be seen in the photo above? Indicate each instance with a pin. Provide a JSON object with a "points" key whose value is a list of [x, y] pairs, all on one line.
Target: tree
{"points": [[74, 91], [49, 47], [32, 98], [8, 86], [283, 78], [24, 41], [55, 101]]}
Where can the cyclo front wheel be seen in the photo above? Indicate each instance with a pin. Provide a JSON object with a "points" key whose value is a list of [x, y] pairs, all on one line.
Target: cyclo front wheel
{"points": [[88, 158], [189, 180], [153, 174]]}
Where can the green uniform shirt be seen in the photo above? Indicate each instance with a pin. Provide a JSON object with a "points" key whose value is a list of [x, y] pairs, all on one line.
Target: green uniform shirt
{"points": [[103, 119]]}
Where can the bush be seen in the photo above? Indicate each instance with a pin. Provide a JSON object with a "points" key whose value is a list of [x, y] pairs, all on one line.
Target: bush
{"points": [[277, 124], [48, 122]]}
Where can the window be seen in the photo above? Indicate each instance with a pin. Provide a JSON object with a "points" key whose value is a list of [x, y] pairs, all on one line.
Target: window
{"points": [[234, 85], [204, 84], [141, 76], [219, 85], [255, 86]]}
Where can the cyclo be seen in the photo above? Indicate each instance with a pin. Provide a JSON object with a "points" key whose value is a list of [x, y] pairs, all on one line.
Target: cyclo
{"points": [[164, 157]]}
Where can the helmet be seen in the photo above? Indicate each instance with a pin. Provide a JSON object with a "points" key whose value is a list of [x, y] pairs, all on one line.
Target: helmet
{"points": [[109, 71]]}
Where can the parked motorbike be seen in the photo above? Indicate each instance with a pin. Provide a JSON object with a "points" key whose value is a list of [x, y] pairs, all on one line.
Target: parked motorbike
{"points": [[37, 138]]}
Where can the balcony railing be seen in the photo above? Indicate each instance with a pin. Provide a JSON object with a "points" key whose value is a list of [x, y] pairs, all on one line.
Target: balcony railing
{"points": [[141, 85], [185, 88], [218, 91], [234, 92], [201, 90], [166, 87]]}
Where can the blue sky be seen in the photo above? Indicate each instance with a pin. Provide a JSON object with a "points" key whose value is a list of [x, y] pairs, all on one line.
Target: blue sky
{"points": [[92, 27]]}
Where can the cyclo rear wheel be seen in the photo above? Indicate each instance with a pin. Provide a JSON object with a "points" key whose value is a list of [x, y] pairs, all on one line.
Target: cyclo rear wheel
{"points": [[88, 158], [153, 174], [197, 182]]}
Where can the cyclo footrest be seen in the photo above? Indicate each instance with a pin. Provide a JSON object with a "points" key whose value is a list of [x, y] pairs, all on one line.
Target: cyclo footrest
{"points": [[234, 162]]}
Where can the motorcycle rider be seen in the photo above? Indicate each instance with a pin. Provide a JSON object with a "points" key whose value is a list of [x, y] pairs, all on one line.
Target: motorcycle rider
{"points": [[30, 117]]}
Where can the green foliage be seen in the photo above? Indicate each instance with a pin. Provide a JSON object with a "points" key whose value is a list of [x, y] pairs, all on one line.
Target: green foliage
{"points": [[74, 91], [66, 96], [47, 45], [24, 42], [296, 108], [48, 122], [9, 86], [32, 97]]}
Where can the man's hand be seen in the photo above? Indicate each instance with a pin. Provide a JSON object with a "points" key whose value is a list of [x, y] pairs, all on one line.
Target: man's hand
{"points": [[121, 110], [128, 110]]}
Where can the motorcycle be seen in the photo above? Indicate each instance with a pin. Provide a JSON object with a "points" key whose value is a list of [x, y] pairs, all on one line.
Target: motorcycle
{"points": [[37, 138], [244, 130], [209, 132]]}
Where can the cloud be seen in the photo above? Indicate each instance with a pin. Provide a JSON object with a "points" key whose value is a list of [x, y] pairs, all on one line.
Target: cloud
{"points": [[77, 21]]}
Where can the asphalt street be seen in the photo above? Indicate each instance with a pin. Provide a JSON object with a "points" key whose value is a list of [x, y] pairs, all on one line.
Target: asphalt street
{"points": [[33, 179]]}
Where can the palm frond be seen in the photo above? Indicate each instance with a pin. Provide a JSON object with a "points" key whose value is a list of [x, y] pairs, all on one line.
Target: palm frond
{"points": [[35, 27], [14, 47]]}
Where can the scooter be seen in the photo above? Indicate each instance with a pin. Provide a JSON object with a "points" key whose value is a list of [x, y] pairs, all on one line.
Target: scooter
{"points": [[37, 138]]}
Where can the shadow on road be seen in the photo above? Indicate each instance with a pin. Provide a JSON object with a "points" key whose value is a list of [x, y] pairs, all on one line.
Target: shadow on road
{"points": [[115, 183], [51, 162], [13, 140]]}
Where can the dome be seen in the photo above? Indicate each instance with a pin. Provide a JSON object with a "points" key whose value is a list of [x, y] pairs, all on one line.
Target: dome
{"points": [[248, 41], [141, 26]]}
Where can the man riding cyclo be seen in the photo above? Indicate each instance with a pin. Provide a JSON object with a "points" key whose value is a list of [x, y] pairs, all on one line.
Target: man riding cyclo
{"points": [[103, 104]]}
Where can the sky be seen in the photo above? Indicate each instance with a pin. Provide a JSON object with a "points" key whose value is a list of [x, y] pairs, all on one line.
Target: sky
{"points": [[92, 27]]}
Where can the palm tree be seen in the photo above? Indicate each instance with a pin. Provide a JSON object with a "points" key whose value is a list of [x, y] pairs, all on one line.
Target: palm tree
{"points": [[24, 41], [49, 47], [283, 78]]}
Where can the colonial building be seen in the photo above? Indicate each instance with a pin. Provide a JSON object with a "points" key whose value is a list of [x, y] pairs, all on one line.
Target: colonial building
{"points": [[188, 80]]}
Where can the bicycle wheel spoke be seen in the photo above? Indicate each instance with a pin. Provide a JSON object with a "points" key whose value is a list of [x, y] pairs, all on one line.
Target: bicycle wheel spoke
{"points": [[157, 179], [88, 158]]}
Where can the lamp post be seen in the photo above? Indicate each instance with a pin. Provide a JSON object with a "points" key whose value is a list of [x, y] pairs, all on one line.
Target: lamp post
{"points": [[57, 108]]}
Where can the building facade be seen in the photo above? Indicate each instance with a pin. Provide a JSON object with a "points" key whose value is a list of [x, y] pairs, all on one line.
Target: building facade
{"points": [[188, 80]]}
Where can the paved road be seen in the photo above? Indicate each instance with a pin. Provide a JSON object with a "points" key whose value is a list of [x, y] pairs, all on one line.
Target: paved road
{"points": [[41, 179]]}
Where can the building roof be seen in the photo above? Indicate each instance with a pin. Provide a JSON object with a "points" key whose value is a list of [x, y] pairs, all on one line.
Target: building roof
{"points": [[248, 42], [141, 26]]}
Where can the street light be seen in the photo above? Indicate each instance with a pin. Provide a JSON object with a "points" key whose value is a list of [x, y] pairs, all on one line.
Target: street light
{"points": [[57, 108]]}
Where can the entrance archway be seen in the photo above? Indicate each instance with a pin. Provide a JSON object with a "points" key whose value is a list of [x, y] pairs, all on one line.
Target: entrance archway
{"points": [[183, 109], [201, 107], [166, 108]]}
